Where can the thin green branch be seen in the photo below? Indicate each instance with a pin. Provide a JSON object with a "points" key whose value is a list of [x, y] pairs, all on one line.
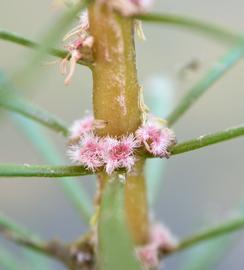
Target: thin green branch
{"points": [[20, 235], [10, 101], [215, 73], [216, 231], [9, 170], [35, 113], [20, 40], [211, 30], [72, 188], [65, 171], [209, 139], [7, 261]]}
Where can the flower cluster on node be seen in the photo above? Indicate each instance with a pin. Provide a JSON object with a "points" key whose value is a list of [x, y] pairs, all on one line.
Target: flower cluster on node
{"points": [[160, 240], [79, 47], [111, 153]]}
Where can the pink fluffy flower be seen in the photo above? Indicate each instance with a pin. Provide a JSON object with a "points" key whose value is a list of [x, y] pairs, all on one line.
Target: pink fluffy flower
{"points": [[81, 126], [89, 152], [85, 125], [160, 239], [157, 140], [119, 153]]}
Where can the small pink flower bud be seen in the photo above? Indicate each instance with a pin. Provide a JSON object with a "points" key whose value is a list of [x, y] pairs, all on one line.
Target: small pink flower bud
{"points": [[89, 152], [157, 140], [160, 239], [85, 125], [81, 126], [119, 153]]}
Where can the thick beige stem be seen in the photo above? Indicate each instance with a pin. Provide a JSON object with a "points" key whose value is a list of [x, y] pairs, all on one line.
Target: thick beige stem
{"points": [[116, 99], [116, 91]]}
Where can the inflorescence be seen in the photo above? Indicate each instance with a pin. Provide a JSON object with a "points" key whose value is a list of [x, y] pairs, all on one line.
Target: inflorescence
{"points": [[112, 153], [80, 42]]}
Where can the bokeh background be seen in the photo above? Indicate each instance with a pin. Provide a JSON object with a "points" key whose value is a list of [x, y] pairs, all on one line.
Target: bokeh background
{"points": [[199, 188]]}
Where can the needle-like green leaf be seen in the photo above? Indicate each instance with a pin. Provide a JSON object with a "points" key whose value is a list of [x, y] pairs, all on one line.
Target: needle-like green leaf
{"points": [[215, 32], [225, 228], [10, 101], [28, 43], [72, 188], [26, 170], [215, 73]]}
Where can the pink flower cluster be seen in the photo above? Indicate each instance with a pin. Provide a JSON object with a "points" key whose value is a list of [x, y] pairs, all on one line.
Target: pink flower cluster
{"points": [[156, 139], [79, 47], [94, 152], [160, 239]]}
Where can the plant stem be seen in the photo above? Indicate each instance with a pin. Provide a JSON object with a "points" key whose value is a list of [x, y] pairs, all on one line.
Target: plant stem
{"points": [[211, 30], [72, 188], [64, 171], [21, 236], [216, 231], [9, 170], [9, 100], [35, 113], [219, 69], [136, 204], [20, 40], [116, 91], [116, 95], [209, 139]]}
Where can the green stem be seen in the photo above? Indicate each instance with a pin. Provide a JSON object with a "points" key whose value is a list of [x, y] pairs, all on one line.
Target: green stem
{"points": [[10, 101], [9, 170], [209, 139], [20, 40], [211, 30], [216, 231], [219, 69], [72, 187], [35, 113], [64, 171], [20, 235]]}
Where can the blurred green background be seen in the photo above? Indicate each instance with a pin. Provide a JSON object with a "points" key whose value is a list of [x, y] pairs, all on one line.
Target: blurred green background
{"points": [[199, 187]]}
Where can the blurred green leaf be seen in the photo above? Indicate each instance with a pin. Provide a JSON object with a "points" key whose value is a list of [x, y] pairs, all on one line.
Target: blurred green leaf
{"points": [[115, 247], [208, 255], [215, 73], [53, 36], [159, 95], [7, 261], [20, 234], [9, 100], [23, 41], [72, 188], [215, 32]]}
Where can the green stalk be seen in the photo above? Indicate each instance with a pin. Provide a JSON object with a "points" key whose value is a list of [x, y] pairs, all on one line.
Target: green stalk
{"points": [[9, 170], [215, 73], [72, 188], [225, 228], [28, 43], [213, 31], [209, 139]]}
